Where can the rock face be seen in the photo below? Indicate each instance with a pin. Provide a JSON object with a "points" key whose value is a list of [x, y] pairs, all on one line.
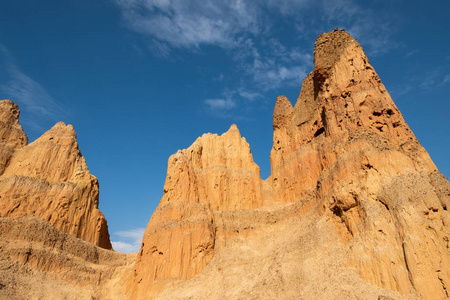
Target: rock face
{"points": [[216, 173], [346, 141], [38, 261], [48, 179], [344, 165]]}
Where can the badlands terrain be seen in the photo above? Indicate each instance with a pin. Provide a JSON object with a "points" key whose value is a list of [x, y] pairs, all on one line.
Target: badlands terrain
{"points": [[354, 207]]}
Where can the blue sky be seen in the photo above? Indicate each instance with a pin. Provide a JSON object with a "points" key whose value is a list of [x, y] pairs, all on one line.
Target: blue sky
{"points": [[140, 79]]}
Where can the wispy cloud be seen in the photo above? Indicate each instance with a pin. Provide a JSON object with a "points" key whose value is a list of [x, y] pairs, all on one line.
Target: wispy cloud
{"points": [[251, 96], [31, 96], [129, 240], [190, 23], [433, 79], [271, 64], [193, 23], [246, 30], [220, 104]]}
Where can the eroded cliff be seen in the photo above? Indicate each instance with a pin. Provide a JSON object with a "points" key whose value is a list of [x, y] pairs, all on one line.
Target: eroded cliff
{"points": [[343, 158], [48, 179], [216, 173]]}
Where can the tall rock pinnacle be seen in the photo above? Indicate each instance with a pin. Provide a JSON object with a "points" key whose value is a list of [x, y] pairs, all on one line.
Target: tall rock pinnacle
{"points": [[342, 102], [48, 179], [216, 173], [347, 143]]}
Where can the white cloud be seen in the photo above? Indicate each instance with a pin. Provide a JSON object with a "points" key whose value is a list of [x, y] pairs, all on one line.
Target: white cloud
{"points": [[193, 23], [249, 95], [190, 23], [220, 104], [129, 240], [274, 65], [125, 247]]}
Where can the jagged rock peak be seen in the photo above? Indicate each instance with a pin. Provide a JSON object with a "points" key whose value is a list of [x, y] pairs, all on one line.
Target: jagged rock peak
{"points": [[282, 112], [329, 47], [348, 144], [9, 112], [206, 159], [11, 133], [60, 133], [49, 179], [233, 127], [215, 174]]}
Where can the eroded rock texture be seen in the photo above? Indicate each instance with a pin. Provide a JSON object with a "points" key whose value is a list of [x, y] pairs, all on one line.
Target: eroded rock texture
{"points": [[48, 179], [216, 173], [346, 141], [38, 261], [344, 157]]}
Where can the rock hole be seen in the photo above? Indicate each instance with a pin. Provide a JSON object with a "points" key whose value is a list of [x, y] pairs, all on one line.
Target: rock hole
{"points": [[376, 113], [368, 166], [396, 124], [160, 253], [337, 211], [384, 204], [390, 112], [444, 207], [319, 131]]}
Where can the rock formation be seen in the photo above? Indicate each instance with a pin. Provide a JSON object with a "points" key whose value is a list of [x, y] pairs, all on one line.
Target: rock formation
{"points": [[346, 141], [216, 173], [354, 207], [48, 179], [344, 165]]}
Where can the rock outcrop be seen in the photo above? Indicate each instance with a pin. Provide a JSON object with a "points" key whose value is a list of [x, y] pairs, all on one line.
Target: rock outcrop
{"points": [[216, 173], [346, 141], [344, 164], [48, 179]]}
